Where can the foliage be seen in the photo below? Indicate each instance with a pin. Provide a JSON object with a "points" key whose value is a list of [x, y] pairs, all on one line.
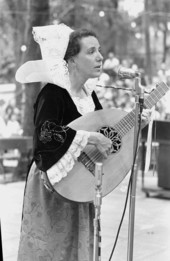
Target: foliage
{"points": [[110, 28], [158, 15]]}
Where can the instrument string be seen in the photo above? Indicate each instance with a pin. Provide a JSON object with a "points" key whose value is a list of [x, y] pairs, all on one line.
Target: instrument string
{"points": [[93, 156], [125, 124], [86, 159]]}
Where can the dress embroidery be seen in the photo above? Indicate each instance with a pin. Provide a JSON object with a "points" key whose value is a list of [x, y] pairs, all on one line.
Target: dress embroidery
{"points": [[51, 130]]}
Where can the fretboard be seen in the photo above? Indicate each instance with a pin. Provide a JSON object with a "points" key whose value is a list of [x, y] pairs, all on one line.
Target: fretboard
{"points": [[127, 123]]}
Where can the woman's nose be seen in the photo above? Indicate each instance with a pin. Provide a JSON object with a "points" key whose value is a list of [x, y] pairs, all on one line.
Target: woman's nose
{"points": [[100, 57]]}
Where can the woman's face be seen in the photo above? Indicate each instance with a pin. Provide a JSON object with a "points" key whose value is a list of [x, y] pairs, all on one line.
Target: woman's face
{"points": [[89, 60]]}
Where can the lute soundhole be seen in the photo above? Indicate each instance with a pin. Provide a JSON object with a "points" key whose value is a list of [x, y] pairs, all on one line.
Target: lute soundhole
{"points": [[112, 134], [89, 160]]}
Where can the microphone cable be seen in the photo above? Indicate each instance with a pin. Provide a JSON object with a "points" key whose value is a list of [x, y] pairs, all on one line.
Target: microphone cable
{"points": [[128, 189], [120, 88]]}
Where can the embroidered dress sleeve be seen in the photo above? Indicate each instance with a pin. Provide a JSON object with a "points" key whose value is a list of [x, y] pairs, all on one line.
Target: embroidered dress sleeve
{"points": [[51, 138]]}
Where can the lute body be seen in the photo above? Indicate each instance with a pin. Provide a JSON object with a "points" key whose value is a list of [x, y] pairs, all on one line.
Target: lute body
{"points": [[118, 125]]}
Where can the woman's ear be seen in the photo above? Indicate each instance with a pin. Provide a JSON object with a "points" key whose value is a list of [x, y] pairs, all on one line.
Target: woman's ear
{"points": [[71, 62]]}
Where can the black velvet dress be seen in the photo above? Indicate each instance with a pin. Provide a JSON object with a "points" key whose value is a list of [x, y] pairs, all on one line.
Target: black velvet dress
{"points": [[53, 228]]}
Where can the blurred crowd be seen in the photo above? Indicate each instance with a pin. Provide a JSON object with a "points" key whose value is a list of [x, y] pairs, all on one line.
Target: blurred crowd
{"points": [[10, 120], [121, 93]]}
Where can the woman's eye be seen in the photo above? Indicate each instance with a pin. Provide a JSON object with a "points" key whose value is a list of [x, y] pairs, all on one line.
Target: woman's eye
{"points": [[100, 50], [91, 51]]}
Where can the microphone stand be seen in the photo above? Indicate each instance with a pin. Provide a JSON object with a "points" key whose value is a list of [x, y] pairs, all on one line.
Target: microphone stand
{"points": [[97, 204], [139, 106]]}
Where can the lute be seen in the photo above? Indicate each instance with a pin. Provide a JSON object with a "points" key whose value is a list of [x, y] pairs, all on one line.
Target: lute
{"points": [[118, 125]]}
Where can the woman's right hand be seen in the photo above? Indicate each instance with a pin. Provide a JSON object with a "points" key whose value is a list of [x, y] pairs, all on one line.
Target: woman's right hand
{"points": [[102, 143]]}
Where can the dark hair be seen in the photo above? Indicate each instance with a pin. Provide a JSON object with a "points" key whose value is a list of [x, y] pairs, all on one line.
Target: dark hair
{"points": [[74, 45]]}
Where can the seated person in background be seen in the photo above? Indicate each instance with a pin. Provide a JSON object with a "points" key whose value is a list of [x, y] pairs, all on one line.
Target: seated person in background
{"points": [[111, 64]]}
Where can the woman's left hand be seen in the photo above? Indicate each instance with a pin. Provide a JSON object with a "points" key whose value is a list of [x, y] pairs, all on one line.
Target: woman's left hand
{"points": [[146, 117]]}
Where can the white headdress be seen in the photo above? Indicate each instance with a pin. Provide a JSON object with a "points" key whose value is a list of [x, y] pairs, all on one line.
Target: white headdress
{"points": [[53, 41]]}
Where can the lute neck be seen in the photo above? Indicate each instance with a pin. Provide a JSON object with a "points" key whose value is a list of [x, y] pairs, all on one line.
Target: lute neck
{"points": [[128, 122]]}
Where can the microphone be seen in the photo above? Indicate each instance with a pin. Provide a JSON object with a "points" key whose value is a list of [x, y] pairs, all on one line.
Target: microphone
{"points": [[127, 73], [122, 73]]}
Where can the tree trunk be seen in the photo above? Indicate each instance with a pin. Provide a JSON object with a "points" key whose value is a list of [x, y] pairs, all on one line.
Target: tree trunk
{"points": [[165, 33], [147, 42], [38, 16], [164, 45]]}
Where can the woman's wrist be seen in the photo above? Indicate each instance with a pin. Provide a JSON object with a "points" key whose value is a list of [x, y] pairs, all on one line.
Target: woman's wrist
{"points": [[93, 138]]}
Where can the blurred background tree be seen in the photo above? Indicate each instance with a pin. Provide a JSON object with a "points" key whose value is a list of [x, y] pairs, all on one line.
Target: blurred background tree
{"points": [[142, 37], [17, 30]]}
